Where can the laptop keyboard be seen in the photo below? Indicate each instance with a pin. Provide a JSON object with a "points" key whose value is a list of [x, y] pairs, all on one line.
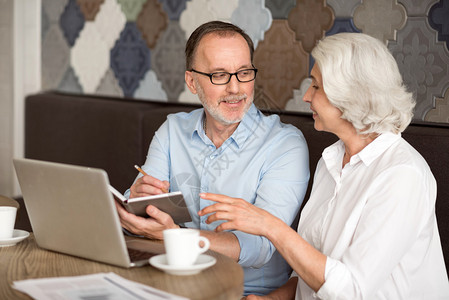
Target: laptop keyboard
{"points": [[138, 255]]}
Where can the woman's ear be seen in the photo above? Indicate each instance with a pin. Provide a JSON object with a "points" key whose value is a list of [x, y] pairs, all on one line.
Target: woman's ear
{"points": [[190, 82]]}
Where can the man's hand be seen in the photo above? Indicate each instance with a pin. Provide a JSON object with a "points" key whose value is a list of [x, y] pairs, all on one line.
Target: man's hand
{"points": [[151, 227], [147, 186]]}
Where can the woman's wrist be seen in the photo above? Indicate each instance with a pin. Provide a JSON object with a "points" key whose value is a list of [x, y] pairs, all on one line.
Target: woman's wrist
{"points": [[274, 228]]}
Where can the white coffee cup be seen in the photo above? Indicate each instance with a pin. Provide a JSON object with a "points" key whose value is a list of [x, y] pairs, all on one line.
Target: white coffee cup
{"points": [[7, 220], [182, 246]]}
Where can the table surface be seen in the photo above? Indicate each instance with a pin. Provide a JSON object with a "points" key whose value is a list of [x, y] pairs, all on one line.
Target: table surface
{"points": [[26, 260]]}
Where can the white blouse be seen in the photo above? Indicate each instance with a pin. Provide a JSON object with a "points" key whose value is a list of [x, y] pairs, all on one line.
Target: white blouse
{"points": [[375, 221]]}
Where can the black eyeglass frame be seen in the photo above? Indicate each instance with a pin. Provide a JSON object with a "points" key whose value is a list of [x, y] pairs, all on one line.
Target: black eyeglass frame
{"points": [[230, 75]]}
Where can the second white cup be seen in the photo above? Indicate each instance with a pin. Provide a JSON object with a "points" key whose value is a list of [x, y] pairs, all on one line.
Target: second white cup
{"points": [[182, 246]]}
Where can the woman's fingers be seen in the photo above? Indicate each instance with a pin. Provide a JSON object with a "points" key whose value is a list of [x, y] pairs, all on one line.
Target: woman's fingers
{"points": [[219, 216], [225, 203], [217, 198], [215, 208]]}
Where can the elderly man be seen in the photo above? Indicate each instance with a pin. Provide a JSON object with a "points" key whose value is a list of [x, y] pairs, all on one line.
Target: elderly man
{"points": [[228, 147]]}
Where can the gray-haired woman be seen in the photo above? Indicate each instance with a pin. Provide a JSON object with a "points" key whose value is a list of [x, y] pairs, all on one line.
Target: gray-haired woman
{"points": [[369, 229]]}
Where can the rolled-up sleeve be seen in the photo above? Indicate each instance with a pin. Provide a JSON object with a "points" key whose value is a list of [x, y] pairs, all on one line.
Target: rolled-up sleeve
{"points": [[255, 250]]}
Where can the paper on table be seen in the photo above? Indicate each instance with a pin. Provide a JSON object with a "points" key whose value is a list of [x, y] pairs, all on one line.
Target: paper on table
{"points": [[100, 286]]}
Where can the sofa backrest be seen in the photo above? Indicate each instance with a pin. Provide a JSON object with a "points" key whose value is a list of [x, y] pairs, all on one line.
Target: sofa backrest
{"points": [[432, 141]]}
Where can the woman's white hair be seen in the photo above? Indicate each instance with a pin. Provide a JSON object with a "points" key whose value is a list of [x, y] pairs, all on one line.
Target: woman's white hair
{"points": [[362, 79]]}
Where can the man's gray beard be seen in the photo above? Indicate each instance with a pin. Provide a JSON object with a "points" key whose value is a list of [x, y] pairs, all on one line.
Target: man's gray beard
{"points": [[215, 111]]}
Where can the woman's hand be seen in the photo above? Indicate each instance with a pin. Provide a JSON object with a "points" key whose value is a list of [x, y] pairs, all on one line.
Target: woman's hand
{"points": [[238, 213]]}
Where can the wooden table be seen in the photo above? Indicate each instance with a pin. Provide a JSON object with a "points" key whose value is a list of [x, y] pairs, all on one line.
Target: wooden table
{"points": [[26, 260]]}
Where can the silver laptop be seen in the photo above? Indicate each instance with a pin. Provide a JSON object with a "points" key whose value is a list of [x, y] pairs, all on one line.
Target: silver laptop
{"points": [[72, 211]]}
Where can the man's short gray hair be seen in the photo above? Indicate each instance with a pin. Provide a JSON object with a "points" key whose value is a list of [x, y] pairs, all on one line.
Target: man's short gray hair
{"points": [[216, 27], [362, 79]]}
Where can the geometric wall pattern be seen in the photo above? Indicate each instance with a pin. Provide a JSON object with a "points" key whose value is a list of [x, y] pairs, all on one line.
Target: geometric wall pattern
{"points": [[135, 48]]}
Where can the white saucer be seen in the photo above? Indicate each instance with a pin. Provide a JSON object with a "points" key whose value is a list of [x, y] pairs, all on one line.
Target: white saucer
{"points": [[202, 262], [17, 236]]}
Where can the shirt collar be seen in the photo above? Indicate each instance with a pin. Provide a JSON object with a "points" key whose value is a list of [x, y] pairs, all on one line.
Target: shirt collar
{"points": [[377, 147], [246, 126], [334, 153], [240, 135], [198, 125]]}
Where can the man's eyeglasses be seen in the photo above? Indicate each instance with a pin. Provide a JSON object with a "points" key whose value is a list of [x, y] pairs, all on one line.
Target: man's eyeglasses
{"points": [[221, 78]]}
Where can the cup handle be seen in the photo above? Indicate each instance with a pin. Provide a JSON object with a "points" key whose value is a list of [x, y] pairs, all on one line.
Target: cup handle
{"points": [[205, 246]]}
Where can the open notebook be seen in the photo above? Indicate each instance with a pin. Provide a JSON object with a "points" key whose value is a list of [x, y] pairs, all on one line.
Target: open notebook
{"points": [[72, 211]]}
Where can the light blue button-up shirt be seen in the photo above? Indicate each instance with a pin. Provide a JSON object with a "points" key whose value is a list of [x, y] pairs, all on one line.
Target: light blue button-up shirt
{"points": [[264, 162]]}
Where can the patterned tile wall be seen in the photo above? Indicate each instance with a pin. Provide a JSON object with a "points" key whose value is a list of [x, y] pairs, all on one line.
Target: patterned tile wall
{"points": [[135, 48]]}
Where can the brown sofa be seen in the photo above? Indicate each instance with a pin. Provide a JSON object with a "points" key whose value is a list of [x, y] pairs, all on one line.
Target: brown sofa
{"points": [[114, 134]]}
